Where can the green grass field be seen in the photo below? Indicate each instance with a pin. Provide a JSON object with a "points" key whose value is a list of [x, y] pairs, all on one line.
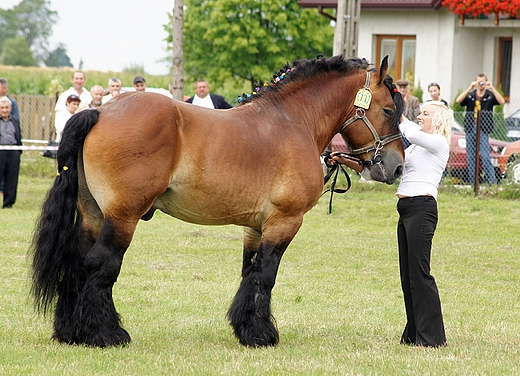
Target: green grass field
{"points": [[337, 301]]}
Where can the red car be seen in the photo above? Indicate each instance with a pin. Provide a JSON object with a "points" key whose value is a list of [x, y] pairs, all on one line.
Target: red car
{"points": [[457, 166], [510, 158]]}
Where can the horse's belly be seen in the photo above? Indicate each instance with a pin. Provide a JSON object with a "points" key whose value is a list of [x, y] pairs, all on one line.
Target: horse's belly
{"points": [[204, 208]]}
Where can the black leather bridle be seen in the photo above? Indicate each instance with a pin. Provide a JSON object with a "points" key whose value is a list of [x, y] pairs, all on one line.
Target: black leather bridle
{"points": [[379, 142]]}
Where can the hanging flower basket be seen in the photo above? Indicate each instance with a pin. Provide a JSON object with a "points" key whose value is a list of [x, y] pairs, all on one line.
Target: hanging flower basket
{"points": [[479, 8]]}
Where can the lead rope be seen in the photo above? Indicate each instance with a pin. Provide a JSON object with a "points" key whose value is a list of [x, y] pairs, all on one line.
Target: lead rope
{"points": [[334, 169]]}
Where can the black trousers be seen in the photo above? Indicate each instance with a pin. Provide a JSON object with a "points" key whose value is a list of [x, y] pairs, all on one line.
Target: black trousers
{"points": [[9, 169], [415, 229]]}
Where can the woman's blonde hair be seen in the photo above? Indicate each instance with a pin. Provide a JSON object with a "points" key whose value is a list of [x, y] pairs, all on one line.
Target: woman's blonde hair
{"points": [[442, 119]]}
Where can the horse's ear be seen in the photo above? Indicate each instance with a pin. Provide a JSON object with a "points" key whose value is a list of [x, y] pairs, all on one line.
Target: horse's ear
{"points": [[383, 70]]}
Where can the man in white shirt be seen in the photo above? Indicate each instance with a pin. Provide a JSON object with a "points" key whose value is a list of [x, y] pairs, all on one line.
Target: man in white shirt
{"points": [[97, 93], [203, 98], [78, 81], [114, 89]]}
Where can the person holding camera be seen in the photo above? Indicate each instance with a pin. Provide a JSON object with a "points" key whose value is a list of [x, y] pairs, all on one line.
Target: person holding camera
{"points": [[480, 95]]}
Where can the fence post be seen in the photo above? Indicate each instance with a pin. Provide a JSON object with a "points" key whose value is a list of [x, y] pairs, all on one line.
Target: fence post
{"points": [[478, 119]]}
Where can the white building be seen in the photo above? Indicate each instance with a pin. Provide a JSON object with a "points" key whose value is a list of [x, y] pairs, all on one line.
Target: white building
{"points": [[427, 43]]}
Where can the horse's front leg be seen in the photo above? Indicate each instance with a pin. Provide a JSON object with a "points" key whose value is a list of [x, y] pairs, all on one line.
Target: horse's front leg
{"points": [[252, 238], [250, 313]]}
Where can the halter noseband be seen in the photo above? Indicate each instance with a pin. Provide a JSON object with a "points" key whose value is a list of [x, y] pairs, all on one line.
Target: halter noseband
{"points": [[362, 104]]}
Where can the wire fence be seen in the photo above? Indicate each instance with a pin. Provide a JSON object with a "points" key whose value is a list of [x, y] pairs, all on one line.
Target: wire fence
{"points": [[492, 165]]}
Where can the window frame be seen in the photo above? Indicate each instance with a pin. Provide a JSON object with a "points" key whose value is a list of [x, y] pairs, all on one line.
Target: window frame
{"points": [[501, 65], [399, 39]]}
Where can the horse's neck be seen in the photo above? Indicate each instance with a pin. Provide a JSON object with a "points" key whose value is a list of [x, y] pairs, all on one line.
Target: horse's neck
{"points": [[321, 108]]}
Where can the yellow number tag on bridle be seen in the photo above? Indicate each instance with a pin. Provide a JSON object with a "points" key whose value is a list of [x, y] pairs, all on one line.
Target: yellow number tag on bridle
{"points": [[363, 98]]}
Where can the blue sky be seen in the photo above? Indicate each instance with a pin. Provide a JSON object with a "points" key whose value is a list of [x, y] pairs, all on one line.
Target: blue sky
{"points": [[111, 34]]}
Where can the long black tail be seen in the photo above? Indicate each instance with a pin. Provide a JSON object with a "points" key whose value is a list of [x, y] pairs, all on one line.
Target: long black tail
{"points": [[56, 237]]}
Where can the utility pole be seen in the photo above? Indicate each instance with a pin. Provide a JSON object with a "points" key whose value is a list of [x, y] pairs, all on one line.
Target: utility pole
{"points": [[178, 50], [346, 33]]}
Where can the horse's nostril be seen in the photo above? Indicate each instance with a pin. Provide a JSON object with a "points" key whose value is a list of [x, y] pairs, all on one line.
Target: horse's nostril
{"points": [[398, 171]]}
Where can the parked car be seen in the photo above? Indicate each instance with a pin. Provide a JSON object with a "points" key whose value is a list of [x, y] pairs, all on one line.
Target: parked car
{"points": [[513, 126], [509, 161], [457, 166]]}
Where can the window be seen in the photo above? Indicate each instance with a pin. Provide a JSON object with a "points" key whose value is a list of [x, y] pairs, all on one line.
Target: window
{"points": [[505, 50], [401, 55]]}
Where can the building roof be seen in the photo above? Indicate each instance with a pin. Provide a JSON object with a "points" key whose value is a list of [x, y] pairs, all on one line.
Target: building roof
{"points": [[377, 4]]}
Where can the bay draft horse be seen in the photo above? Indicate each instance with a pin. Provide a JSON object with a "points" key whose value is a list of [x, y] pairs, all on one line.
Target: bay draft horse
{"points": [[256, 165]]}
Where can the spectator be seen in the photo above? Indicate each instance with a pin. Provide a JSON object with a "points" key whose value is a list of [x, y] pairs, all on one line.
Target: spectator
{"points": [[435, 92], [78, 81], [96, 93], [62, 116], [480, 95], [4, 88], [10, 134], [412, 106], [424, 165], [140, 83], [114, 89], [203, 98]]}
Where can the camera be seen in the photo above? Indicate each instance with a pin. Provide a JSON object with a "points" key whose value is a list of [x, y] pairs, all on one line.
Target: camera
{"points": [[481, 83]]}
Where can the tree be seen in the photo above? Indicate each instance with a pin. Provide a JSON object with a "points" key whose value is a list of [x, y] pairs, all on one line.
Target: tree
{"points": [[58, 57], [31, 19], [249, 39], [16, 51]]}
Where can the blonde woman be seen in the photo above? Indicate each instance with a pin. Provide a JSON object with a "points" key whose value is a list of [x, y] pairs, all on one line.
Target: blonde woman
{"points": [[425, 161]]}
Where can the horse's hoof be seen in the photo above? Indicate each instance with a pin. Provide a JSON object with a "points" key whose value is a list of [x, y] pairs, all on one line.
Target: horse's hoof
{"points": [[66, 339], [264, 335], [260, 342], [119, 337]]}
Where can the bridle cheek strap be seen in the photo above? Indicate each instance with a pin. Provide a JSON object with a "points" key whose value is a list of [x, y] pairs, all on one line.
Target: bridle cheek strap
{"points": [[379, 142], [362, 103]]}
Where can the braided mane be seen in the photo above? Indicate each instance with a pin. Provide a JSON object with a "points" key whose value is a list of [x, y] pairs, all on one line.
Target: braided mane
{"points": [[303, 70]]}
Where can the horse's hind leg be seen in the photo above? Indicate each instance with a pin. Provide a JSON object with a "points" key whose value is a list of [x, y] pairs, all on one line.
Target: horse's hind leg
{"points": [[70, 287], [96, 319], [250, 313], [87, 226]]}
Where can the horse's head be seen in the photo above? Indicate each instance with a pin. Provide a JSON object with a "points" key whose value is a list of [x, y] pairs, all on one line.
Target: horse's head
{"points": [[372, 134]]}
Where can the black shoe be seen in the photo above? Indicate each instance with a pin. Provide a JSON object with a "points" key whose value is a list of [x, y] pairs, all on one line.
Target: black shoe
{"points": [[7, 206]]}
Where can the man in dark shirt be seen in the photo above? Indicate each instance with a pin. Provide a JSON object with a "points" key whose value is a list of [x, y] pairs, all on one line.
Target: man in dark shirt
{"points": [[10, 134], [480, 95]]}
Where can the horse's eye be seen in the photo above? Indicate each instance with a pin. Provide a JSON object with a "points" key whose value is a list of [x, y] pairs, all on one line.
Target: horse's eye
{"points": [[388, 113]]}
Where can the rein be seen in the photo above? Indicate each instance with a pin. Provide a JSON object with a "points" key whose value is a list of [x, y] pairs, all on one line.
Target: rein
{"points": [[334, 169]]}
